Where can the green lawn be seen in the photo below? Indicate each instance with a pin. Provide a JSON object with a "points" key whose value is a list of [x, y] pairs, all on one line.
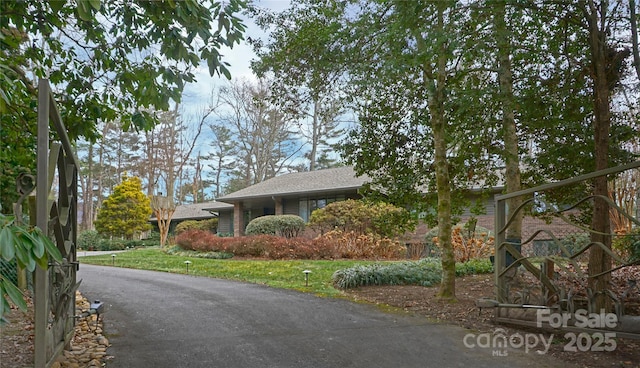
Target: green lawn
{"points": [[281, 274]]}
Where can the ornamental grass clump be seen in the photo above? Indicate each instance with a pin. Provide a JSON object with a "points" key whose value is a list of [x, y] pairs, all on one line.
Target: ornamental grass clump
{"points": [[425, 272]]}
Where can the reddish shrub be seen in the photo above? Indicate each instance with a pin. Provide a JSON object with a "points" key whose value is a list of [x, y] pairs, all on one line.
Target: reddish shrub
{"points": [[332, 245], [201, 241]]}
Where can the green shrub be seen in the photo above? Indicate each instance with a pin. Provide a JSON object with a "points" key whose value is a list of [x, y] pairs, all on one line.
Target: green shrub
{"points": [[88, 240], [208, 225], [476, 266], [425, 272], [289, 226], [143, 243], [154, 235], [265, 225], [574, 242], [628, 245], [363, 218], [109, 245]]}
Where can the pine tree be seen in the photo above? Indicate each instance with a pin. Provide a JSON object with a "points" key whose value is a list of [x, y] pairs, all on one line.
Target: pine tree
{"points": [[125, 212]]}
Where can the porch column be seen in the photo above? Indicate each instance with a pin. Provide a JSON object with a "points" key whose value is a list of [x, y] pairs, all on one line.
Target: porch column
{"points": [[238, 219], [279, 208]]}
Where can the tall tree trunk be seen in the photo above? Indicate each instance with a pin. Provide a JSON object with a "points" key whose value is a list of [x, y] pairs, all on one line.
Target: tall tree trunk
{"points": [[443, 184], [599, 261], [633, 19], [87, 198], [99, 197], [314, 136], [150, 151], [197, 181], [510, 137]]}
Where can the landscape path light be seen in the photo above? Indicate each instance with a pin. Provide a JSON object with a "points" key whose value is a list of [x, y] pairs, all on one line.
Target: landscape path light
{"points": [[187, 263], [113, 259], [306, 277]]}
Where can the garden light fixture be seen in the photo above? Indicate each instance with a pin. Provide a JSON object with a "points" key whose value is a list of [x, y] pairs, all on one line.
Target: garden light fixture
{"points": [[306, 277]]}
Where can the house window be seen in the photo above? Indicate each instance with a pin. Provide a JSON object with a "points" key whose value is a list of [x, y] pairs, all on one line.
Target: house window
{"points": [[308, 205], [304, 211]]}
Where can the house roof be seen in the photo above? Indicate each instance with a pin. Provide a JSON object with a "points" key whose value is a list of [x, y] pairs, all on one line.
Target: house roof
{"points": [[309, 182], [197, 211]]}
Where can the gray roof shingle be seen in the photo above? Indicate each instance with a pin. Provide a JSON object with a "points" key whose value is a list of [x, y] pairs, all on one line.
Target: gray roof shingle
{"points": [[335, 179], [196, 211]]}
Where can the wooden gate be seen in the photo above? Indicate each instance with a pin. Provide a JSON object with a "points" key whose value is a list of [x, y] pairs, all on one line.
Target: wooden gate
{"points": [[56, 215]]}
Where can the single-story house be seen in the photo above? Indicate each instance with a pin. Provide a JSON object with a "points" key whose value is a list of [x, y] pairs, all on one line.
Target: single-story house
{"points": [[290, 194], [196, 211], [302, 193]]}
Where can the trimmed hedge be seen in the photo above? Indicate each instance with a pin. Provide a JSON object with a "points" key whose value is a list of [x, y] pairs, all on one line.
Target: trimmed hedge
{"points": [[289, 226]]}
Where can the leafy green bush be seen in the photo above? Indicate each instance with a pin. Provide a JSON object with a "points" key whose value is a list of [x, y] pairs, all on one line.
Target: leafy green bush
{"points": [[476, 266], [628, 245], [289, 226], [154, 235], [209, 225], [574, 242], [425, 272], [363, 218], [88, 240], [106, 245], [28, 247]]}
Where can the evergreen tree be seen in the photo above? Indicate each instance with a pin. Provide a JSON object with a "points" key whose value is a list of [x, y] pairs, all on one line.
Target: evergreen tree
{"points": [[125, 212]]}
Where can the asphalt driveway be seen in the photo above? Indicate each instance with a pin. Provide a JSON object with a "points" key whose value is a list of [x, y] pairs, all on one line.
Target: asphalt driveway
{"points": [[160, 320]]}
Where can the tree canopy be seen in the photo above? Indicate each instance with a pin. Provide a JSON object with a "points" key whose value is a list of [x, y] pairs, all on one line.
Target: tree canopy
{"points": [[106, 61], [448, 92]]}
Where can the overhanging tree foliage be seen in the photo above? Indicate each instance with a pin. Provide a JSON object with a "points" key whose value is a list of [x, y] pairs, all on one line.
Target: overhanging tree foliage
{"points": [[28, 247], [106, 61]]}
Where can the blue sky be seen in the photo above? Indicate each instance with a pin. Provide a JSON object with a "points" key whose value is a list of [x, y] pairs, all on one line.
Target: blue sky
{"points": [[198, 94]]}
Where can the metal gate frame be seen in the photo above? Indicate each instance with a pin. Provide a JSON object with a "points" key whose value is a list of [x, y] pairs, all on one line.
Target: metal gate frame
{"points": [[503, 246], [55, 287]]}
